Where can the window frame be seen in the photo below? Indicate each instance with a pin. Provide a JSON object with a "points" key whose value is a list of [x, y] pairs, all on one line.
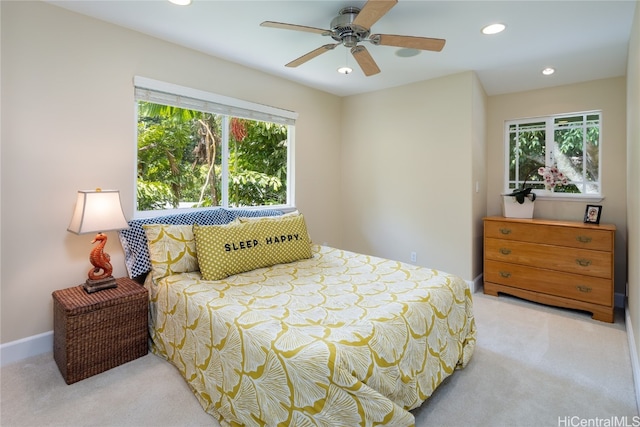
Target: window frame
{"points": [[550, 128], [159, 92]]}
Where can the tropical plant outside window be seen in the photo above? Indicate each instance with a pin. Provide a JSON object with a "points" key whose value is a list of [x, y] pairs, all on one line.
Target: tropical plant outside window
{"points": [[181, 161], [571, 143]]}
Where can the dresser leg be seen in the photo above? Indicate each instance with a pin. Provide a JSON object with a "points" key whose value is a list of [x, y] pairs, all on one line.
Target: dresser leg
{"points": [[489, 289], [603, 315]]}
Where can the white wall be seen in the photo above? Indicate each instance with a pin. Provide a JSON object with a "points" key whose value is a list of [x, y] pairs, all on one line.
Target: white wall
{"points": [[633, 192], [69, 123], [478, 185], [607, 95], [408, 172]]}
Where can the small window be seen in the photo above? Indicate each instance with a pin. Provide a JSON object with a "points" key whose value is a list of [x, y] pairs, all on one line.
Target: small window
{"points": [[196, 150], [556, 155]]}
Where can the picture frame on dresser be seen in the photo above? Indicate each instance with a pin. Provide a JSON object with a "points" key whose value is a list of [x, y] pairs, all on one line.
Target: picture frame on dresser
{"points": [[592, 214]]}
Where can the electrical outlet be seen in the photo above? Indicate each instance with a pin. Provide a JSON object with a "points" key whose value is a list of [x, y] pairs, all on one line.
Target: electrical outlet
{"points": [[414, 257]]}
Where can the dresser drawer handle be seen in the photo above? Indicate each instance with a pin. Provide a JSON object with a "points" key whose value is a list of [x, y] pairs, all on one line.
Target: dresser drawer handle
{"points": [[505, 230], [505, 274], [583, 262], [505, 251], [584, 239], [583, 288]]}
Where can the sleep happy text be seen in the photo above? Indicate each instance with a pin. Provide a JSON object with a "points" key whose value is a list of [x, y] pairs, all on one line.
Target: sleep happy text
{"points": [[248, 244]]}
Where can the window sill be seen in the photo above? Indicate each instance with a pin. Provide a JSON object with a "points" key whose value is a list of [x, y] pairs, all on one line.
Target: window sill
{"points": [[563, 197], [568, 198]]}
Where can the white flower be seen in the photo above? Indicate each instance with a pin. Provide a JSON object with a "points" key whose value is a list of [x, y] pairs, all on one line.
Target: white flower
{"points": [[552, 177]]}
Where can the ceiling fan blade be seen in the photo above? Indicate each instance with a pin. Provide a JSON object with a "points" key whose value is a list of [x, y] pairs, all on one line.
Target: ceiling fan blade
{"points": [[422, 43], [283, 26], [308, 56], [365, 60], [372, 11]]}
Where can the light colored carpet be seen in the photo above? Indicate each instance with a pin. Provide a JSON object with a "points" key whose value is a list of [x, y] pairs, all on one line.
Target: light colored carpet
{"points": [[533, 366]]}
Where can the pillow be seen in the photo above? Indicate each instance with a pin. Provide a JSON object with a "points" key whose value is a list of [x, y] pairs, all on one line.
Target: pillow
{"points": [[224, 250], [172, 249], [265, 218], [134, 240], [262, 218]]}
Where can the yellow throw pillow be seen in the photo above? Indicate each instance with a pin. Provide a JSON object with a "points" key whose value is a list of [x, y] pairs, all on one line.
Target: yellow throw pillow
{"points": [[224, 250], [267, 218], [295, 213], [172, 249]]}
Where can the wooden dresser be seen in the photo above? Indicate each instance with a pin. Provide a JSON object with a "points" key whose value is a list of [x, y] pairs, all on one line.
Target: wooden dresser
{"points": [[561, 263]]}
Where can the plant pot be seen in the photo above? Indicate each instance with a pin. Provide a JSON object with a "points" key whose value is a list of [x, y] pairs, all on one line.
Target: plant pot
{"points": [[512, 209]]}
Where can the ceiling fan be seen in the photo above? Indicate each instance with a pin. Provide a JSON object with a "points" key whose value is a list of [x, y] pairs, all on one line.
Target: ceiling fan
{"points": [[352, 26]]}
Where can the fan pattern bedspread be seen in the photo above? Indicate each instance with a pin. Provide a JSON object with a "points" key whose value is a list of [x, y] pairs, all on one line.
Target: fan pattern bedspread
{"points": [[341, 339]]}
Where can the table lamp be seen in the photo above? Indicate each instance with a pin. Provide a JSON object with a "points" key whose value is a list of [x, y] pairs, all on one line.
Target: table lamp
{"points": [[98, 211]]}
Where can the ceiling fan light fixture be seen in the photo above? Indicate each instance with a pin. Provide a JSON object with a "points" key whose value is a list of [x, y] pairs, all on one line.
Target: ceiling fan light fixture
{"points": [[345, 70], [407, 52], [493, 29]]}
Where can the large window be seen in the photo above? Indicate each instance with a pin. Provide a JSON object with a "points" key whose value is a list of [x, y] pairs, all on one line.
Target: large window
{"points": [[196, 149], [557, 156]]}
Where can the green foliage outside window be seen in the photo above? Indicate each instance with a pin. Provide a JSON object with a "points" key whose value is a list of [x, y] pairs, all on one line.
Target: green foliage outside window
{"points": [[572, 143], [258, 163], [180, 159]]}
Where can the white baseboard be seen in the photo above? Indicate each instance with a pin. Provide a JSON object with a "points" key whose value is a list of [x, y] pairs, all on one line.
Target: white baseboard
{"points": [[635, 364], [476, 284], [15, 351]]}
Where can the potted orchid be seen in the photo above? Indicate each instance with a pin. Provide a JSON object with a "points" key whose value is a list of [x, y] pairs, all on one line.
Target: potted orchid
{"points": [[551, 177], [519, 203]]}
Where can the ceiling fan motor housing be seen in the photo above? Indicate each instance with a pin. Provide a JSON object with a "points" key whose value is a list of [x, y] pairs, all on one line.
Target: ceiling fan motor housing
{"points": [[343, 30]]}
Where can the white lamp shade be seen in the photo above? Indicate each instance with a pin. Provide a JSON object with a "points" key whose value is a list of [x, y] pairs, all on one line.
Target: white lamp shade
{"points": [[97, 211]]}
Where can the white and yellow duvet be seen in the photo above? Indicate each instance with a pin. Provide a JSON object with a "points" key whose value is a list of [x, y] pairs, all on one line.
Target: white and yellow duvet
{"points": [[341, 339]]}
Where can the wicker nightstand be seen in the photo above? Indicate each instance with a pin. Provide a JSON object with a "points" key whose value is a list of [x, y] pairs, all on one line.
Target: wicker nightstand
{"points": [[99, 331]]}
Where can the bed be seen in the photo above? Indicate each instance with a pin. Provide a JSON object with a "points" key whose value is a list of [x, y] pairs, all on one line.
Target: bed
{"points": [[332, 338]]}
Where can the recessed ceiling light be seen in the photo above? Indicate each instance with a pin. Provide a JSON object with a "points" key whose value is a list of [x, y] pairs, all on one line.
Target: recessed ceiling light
{"points": [[345, 70], [548, 71], [181, 2], [493, 29]]}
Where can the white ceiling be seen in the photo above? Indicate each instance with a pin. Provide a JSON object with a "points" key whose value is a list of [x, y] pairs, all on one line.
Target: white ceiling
{"points": [[583, 39]]}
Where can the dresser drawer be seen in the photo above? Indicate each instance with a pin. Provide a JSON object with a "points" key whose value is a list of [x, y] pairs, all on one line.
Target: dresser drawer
{"points": [[586, 237], [569, 260], [582, 288]]}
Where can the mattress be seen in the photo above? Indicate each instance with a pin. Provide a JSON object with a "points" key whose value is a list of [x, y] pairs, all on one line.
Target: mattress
{"points": [[340, 339]]}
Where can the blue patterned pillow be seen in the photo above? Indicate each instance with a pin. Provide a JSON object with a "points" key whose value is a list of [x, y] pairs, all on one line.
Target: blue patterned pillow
{"points": [[134, 240]]}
